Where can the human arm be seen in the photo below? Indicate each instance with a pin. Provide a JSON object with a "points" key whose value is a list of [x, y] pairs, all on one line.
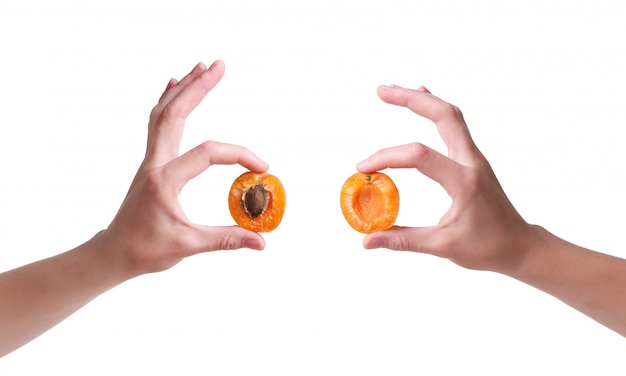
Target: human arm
{"points": [[482, 230], [150, 232]]}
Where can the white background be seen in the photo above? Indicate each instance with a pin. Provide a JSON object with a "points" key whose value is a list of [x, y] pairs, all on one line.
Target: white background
{"points": [[541, 84]]}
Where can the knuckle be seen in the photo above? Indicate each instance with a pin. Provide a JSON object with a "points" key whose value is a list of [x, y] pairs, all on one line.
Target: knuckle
{"points": [[153, 182], [452, 111], [457, 111], [229, 242], [206, 149], [402, 243], [155, 113], [207, 146], [398, 242], [418, 151]]}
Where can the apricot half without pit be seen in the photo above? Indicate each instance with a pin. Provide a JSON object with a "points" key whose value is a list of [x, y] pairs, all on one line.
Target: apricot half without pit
{"points": [[257, 201], [370, 202]]}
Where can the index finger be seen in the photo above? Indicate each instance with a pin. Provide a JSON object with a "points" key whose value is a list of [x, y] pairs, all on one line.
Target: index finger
{"points": [[429, 162], [448, 118], [198, 159]]}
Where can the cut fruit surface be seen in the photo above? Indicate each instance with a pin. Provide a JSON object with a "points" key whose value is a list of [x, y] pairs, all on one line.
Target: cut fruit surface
{"points": [[370, 202], [257, 201]]}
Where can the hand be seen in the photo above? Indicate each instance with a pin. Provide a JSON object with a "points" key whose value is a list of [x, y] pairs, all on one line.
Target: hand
{"points": [[482, 229], [151, 232]]}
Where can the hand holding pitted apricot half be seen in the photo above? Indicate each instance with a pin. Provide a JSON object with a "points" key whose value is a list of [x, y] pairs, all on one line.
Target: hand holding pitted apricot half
{"points": [[257, 201], [481, 226], [370, 202]]}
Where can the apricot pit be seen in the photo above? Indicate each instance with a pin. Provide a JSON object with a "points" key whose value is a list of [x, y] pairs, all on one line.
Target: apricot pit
{"points": [[257, 201]]}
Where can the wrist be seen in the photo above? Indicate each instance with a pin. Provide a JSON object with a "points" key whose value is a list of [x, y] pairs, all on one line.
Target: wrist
{"points": [[533, 255], [110, 263]]}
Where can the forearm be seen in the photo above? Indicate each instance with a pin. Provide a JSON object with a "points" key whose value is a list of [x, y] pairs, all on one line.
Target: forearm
{"points": [[150, 232], [37, 296], [591, 282]]}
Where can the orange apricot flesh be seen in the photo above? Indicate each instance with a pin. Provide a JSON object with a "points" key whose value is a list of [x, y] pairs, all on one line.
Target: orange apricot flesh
{"points": [[370, 202]]}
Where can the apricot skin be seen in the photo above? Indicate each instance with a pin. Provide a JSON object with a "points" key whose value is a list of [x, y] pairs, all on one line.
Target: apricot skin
{"points": [[370, 202], [271, 217]]}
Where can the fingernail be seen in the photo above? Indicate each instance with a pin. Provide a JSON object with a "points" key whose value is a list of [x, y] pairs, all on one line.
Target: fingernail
{"points": [[423, 89], [171, 84], [361, 165], [373, 244], [386, 87], [254, 244], [198, 68], [214, 64]]}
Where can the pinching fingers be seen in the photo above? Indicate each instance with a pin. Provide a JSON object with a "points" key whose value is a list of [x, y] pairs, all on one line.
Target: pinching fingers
{"points": [[198, 159], [429, 162]]}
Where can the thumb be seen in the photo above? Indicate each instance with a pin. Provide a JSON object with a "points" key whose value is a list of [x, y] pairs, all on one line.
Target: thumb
{"points": [[416, 239], [208, 239]]}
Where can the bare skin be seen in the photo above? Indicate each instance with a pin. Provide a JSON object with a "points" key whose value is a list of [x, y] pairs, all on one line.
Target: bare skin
{"points": [[150, 233], [482, 230]]}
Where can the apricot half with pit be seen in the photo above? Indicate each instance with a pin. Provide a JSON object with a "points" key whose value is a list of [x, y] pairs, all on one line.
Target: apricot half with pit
{"points": [[257, 201], [370, 202]]}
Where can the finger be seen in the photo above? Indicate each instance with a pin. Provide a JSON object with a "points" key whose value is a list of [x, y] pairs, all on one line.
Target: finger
{"points": [[173, 88], [173, 82], [170, 123], [170, 84], [190, 95], [429, 162], [415, 239], [448, 118], [168, 94], [198, 159], [206, 239]]}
